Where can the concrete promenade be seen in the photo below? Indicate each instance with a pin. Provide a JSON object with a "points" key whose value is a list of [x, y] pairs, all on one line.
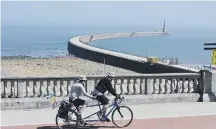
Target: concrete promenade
{"points": [[147, 116]]}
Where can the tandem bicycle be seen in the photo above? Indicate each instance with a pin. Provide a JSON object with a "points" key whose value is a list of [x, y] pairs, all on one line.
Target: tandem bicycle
{"points": [[72, 120]]}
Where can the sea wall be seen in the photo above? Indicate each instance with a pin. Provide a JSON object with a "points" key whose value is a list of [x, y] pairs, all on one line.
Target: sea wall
{"points": [[79, 47]]}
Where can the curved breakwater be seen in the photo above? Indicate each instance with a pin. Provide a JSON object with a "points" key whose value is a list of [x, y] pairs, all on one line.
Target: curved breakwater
{"points": [[79, 47]]}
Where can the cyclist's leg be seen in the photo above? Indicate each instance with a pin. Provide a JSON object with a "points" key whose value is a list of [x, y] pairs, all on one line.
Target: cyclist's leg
{"points": [[105, 102], [77, 103]]}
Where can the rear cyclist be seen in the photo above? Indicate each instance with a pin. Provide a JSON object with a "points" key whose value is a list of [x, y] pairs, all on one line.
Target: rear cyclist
{"points": [[76, 92], [104, 85]]}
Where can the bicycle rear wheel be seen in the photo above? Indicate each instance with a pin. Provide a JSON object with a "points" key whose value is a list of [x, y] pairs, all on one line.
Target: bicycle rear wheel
{"points": [[120, 113], [67, 122]]}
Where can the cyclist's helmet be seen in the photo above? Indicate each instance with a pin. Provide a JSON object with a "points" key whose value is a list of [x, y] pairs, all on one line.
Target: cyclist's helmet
{"points": [[82, 78], [111, 74]]}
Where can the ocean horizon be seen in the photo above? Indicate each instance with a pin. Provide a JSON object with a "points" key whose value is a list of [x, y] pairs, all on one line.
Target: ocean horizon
{"points": [[186, 44]]}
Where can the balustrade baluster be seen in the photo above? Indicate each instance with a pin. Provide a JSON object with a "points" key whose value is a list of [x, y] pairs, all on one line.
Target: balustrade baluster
{"points": [[68, 86], [65, 88], [55, 87], [177, 86], [128, 86], [183, 85], [153, 84], [21, 89], [2, 89], [61, 90], [171, 86], [146, 86], [71, 82], [160, 85], [95, 82], [40, 88], [195, 85], [48, 87], [166, 86], [16, 89], [141, 86], [34, 88], [31, 88], [121, 86], [58, 88], [12, 89], [134, 86], [9, 89], [85, 86], [115, 83], [27, 88], [45, 82], [5, 89], [189, 86]]}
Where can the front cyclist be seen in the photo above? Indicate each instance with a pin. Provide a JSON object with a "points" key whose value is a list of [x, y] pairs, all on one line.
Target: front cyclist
{"points": [[104, 85]]}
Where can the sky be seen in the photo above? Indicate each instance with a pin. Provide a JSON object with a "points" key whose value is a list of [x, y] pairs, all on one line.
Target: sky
{"points": [[177, 14]]}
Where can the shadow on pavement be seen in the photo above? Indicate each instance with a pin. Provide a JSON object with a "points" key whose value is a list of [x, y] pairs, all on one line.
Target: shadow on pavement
{"points": [[78, 127]]}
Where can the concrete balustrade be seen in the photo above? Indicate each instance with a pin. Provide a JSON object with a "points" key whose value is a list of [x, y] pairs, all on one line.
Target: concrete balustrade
{"points": [[21, 93], [124, 84]]}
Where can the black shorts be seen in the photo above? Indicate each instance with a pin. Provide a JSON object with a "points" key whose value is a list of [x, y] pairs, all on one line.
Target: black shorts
{"points": [[103, 99], [78, 102]]}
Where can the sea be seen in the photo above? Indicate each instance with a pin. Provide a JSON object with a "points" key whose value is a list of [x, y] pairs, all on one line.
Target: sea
{"points": [[184, 43]]}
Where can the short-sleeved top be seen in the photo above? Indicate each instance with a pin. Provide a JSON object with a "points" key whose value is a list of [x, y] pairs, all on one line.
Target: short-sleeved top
{"points": [[77, 91]]}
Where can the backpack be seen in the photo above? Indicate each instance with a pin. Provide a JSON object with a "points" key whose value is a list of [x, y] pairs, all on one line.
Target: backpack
{"points": [[64, 109]]}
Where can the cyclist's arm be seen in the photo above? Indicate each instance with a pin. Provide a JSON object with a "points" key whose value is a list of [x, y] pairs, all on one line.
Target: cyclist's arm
{"points": [[85, 93], [111, 89]]}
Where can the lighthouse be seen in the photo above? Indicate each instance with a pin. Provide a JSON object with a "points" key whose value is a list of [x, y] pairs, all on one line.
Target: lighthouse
{"points": [[164, 26]]}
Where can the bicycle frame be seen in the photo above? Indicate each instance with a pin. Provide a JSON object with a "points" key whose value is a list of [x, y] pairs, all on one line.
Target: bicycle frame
{"points": [[113, 105]]}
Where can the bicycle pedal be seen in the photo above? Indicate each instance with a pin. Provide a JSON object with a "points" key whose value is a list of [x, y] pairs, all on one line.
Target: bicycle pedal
{"points": [[103, 121], [84, 123]]}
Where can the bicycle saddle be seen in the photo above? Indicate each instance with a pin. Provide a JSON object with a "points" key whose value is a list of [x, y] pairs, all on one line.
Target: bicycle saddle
{"points": [[66, 101]]}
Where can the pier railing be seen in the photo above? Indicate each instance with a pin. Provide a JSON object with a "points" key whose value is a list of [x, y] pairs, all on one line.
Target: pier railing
{"points": [[133, 84]]}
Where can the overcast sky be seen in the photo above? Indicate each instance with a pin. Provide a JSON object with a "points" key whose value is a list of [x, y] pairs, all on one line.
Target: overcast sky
{"points": [[109, 13]]}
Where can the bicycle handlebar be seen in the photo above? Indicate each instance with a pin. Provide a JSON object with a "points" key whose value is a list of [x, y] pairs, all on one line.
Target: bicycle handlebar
{"points": [[121, 98]]}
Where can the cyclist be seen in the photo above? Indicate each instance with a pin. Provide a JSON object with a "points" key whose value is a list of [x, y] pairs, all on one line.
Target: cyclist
{"points": [[99, 90], [77, 90]]}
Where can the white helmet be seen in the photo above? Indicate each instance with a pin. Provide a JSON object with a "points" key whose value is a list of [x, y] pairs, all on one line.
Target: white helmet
{"points": [[82, 78], [111, 74]]}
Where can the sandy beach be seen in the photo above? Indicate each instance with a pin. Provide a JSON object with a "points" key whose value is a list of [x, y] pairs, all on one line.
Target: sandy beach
{"points": [[23, 66]]}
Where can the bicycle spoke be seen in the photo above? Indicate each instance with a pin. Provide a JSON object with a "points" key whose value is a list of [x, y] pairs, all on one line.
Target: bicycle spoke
{"points": [[68, 122], [122, 117]]}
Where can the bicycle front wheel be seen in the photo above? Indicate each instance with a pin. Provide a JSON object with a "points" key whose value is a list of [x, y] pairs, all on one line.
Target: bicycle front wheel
{"points": [[122, 116]]}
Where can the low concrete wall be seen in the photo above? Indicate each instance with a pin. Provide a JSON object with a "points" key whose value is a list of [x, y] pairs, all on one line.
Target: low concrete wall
{"points": [[34, 103]]}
